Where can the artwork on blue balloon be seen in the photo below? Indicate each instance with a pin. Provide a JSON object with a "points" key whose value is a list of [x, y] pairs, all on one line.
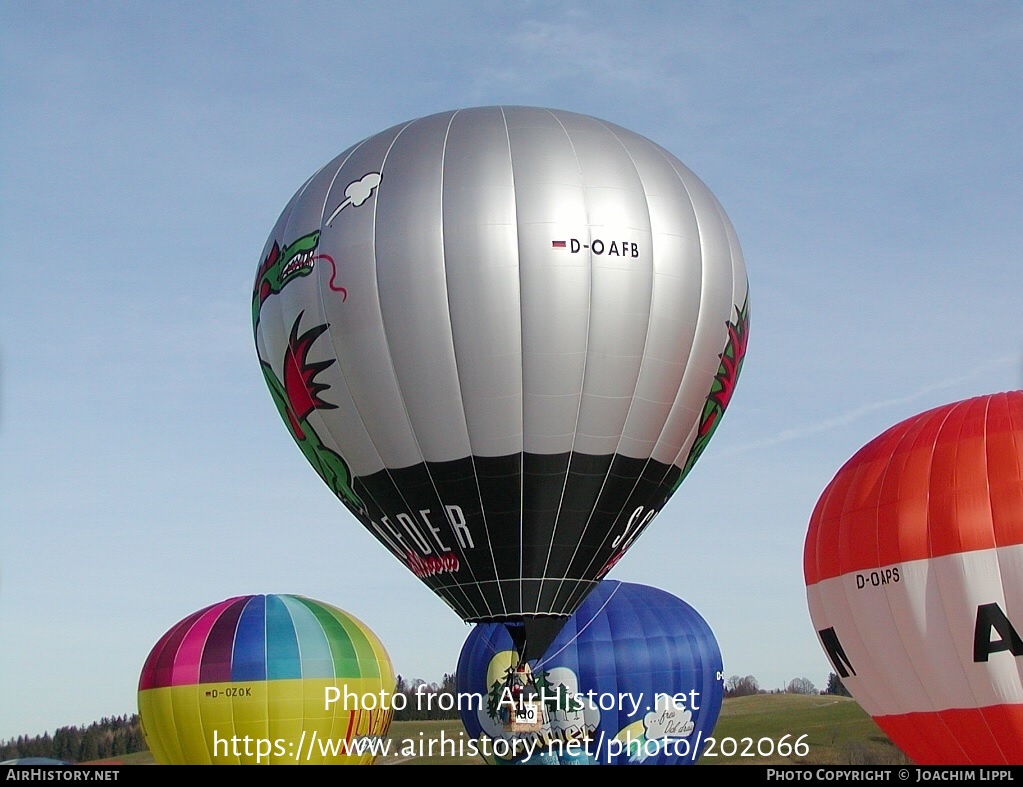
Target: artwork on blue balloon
{"points": [[634, 677]]}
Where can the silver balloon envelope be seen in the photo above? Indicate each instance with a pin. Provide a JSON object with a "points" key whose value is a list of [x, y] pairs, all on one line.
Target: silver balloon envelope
{"points": [[503, 336]]}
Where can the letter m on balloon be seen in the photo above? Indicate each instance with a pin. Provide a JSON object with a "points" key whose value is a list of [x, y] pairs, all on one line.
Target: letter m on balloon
{"points": [[831, 643]]}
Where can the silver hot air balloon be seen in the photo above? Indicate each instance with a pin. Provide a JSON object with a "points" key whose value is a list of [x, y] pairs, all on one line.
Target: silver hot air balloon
{"points": [[503, 336]]}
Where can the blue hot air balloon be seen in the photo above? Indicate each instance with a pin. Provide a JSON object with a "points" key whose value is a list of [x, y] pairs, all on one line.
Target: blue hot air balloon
{"points": [[634, 677]]}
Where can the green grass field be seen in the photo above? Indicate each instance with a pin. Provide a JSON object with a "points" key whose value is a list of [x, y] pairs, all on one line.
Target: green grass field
{"points": [[836, 730], [829, 730]]}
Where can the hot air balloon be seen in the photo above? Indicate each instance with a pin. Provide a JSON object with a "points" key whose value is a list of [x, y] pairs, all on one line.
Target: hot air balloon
{"points": [[914, 579], [273, 679], [502, 336], [634, 677]]}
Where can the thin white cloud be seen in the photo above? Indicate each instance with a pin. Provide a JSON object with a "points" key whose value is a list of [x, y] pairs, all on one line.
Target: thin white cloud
{"points": [[788, 435]]}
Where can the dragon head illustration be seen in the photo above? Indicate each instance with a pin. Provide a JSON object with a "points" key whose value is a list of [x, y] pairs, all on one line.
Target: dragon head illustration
{"points": [[281, 266]]}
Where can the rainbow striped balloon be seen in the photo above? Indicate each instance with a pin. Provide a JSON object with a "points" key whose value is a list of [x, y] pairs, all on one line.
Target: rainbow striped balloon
{"points": [[248, 681]]}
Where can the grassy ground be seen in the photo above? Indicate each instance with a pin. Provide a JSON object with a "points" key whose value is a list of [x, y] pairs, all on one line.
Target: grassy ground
{"points": [[419, 736], [830, 731], [834, 731]]}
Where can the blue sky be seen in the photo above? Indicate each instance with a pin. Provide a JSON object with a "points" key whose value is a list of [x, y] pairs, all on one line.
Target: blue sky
{"points": [[869, 156]]}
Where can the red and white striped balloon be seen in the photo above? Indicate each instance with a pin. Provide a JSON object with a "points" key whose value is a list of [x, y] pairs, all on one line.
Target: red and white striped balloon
{"points": [[914, 579]]}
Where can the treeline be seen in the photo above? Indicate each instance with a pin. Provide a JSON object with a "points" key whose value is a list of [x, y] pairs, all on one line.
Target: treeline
{"points": [[419, 701], [737, 686], [101, 740], [425, 701], [110, 738], [431, 701]]}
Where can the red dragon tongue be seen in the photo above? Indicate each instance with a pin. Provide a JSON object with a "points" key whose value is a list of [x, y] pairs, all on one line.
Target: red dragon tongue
{"points": [[300, 385]]}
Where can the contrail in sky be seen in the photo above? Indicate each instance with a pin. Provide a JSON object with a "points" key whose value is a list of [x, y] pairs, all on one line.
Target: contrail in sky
{"points": [[788, 435]]}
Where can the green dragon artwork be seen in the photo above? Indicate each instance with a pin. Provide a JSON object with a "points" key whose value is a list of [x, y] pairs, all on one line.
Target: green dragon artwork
{"points": [[282, 266], [299, 394], [722, 388]]}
